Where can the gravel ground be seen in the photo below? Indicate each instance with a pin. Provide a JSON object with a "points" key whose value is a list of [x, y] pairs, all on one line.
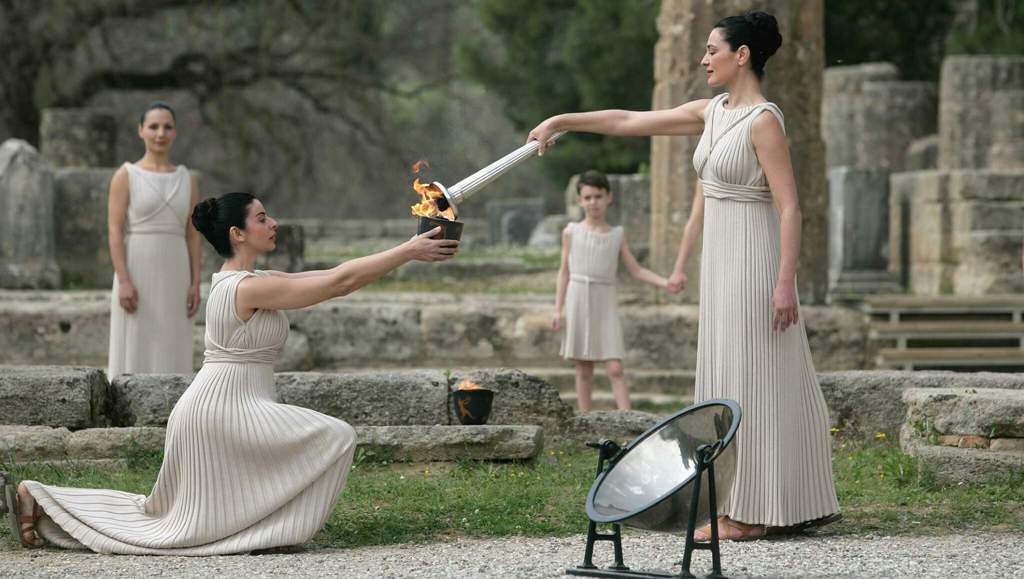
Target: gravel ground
{"points": [[986, 555]]}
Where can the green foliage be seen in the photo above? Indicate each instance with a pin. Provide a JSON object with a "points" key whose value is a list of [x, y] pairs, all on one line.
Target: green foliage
{"points": [[997, 27], [556, 56], [909, 34]]}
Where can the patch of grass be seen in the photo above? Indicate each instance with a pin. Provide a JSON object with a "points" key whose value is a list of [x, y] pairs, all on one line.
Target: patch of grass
{"points": [[881, 490]]}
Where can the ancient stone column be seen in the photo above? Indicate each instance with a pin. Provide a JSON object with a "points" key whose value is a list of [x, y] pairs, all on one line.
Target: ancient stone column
{"points": [[967, 86], [859, 233], [26, 219], [1007, 150], [792, 80], [77, 138], [842, 108], [895, 113]]}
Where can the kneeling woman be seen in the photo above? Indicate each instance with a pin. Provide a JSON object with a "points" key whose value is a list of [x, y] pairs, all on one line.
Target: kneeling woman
{"points": [[240, 471]]}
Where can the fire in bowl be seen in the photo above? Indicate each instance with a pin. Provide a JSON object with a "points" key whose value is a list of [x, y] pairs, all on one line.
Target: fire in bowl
{"points": [[449, 229], [472, 403]]}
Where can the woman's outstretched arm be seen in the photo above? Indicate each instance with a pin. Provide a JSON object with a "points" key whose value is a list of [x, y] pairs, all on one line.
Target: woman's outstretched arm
{"points": [[686, 119], [277, 292]]}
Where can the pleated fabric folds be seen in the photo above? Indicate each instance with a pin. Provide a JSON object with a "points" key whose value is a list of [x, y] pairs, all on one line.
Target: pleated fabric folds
{"points": [[240, 471], [784, 464], [157, 337]]}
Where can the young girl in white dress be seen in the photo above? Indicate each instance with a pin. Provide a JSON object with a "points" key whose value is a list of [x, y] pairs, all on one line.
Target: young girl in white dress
{"points": [[586, 302]]}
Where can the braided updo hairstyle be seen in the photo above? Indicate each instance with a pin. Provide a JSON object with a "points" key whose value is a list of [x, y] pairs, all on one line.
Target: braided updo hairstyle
{"points": [[214, 218], [759, 31]]}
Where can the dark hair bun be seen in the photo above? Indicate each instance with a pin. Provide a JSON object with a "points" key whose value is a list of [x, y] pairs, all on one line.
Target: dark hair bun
{"points": [[204, 215], [766, 32]]}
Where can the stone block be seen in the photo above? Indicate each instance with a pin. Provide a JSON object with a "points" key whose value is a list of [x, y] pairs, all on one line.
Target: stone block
{"points": [[451, 443], [984, 412], [621, 426], [511, 221], [1007, 149], [973, 442], [964, 466], [843, 109], [1007, 445], [78, 137], [63, 328], [386, 398], [922, 154], [20, 444], [548, 233], [144, 399], [966, 132], [862, 403], [27, 249], [894, 114], [859, 232], [350, 333], [56, 396], [114, 443], [80, 221], [519, 398]]}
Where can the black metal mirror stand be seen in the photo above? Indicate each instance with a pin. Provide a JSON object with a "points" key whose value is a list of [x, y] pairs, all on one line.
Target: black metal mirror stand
{"points": [[609, 452]]}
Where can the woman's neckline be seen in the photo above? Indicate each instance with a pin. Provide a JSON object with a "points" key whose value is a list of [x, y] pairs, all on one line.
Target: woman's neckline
{"points": [[141, 168], [725, 102]]}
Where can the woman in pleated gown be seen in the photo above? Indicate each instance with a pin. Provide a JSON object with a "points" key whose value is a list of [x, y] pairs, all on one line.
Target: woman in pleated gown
{"points": [[241, 472], [156, 253], [752, 345]]}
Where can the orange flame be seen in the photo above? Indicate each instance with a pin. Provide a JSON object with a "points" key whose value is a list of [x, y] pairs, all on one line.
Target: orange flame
{"points": [[467, 384], [428, 192]]}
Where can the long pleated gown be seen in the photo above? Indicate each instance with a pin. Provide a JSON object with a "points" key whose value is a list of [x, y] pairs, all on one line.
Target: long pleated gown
{"points": [[240, 471], [157, 337], [784, 464]]}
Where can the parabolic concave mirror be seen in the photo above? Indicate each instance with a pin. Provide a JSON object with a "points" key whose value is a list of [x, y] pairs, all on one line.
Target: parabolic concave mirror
{"points": [[651, 485]]}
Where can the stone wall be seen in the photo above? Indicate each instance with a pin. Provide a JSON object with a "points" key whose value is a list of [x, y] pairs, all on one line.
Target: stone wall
{"points": [[792, 80], [26, 219], [411, 330], [956, 229], [965, 233]]}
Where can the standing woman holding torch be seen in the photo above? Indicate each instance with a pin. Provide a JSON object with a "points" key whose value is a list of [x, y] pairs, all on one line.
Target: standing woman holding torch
{"points": [[752, 345], [156, 254]]}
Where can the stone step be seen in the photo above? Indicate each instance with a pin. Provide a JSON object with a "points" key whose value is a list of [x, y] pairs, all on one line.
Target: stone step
{"points": [[943, 304], [52, 396], [914, 358], [22, 444], [671, 382], [965, 434], [650, 402]]}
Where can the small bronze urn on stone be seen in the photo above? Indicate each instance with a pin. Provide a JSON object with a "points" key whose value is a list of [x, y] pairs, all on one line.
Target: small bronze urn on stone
{"points": [[472, 403]]}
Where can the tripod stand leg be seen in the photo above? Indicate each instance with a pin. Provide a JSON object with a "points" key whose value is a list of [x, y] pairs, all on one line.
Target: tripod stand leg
{"points": [[617, 543]]}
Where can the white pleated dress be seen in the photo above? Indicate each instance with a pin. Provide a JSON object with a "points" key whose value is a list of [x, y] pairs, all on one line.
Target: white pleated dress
{"points": [[240, 471], [784, 463], [592, 328], [157, 337]]}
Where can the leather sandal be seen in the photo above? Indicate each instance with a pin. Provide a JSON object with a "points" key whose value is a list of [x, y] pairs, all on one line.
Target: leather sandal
{"points": [[734, 532], [23, 526], [806, 525]]}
